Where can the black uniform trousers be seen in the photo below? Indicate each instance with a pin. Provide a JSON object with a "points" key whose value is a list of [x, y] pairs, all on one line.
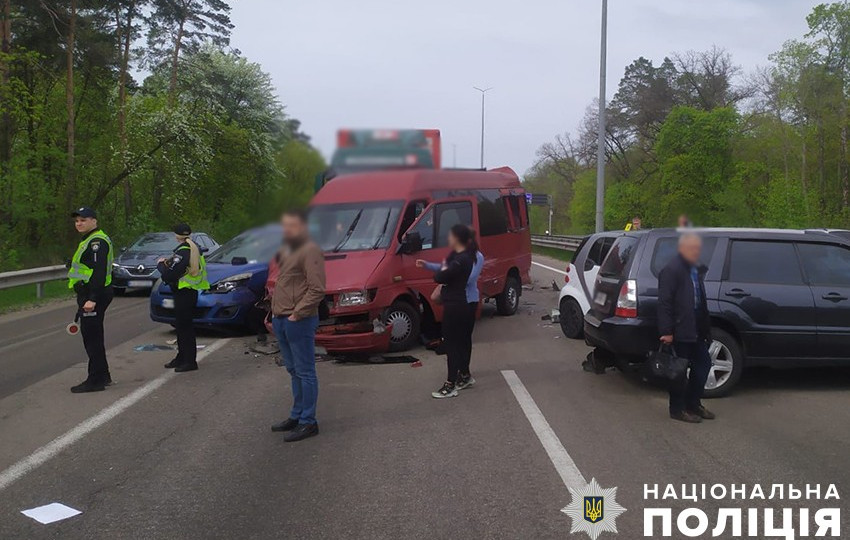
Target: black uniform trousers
{"points": [[458, 322], [185, 301], [91, 327]]}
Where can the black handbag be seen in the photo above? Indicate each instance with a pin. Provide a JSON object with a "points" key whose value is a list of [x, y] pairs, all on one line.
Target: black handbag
{"points": [[665, 367]]}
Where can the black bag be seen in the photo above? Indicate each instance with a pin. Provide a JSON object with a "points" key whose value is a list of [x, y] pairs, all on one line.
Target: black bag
{"points": [[665, 367]]}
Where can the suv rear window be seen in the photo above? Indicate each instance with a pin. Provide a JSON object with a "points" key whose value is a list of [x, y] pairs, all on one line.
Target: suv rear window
{"points": [[666, 249], [618, 259]]}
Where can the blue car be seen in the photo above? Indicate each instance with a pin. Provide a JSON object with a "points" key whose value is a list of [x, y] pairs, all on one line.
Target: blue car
{"points": [[237, 273]]}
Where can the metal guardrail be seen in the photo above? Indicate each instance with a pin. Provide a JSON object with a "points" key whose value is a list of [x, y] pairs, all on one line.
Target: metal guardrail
{"points": [[558, 242], [33, 276]]}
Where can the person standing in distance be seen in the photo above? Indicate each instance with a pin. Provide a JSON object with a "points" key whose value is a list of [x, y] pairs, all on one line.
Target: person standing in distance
{"points": [[298, 292], [186, 273], [683, 322], [90, 277]]}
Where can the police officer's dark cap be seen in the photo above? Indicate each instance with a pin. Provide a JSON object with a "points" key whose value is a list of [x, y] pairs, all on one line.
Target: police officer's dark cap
{"points": [[182, 229], [85, 212]]}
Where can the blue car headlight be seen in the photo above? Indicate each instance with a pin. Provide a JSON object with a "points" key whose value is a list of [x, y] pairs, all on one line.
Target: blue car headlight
{"points": [[224, 286]]}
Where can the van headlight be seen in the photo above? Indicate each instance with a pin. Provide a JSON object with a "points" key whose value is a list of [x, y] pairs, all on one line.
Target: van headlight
{"points": [[228, 284], [353, 298]]}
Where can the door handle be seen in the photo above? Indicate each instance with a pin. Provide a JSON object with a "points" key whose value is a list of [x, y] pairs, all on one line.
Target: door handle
{"points": [[737, 293], [834, 297]]}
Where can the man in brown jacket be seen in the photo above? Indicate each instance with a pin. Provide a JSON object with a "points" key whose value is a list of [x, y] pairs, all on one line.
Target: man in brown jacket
{"points": [[298, 292]]}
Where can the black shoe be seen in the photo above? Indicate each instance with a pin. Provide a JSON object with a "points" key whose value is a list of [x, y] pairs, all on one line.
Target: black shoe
{"points": [[173, 364], [703, 413], [301, 432], [186, 367], [287, 425], [108, 380], [87, 386], [685, 416]]}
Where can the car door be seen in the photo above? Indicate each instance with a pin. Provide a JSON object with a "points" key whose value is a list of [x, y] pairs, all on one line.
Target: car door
{"points": [[433, 227], [827, 269], [590, 262], [764, 295]]}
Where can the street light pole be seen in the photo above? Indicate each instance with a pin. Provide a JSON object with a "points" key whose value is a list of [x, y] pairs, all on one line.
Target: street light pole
{"points": [[483, 91], [600, 143]]}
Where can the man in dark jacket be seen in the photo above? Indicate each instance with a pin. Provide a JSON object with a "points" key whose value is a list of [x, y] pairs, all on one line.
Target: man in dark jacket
{"points": [[683, 322]]}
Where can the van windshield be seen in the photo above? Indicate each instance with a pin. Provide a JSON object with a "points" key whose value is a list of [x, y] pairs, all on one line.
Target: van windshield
{"points": [[354, 226]]}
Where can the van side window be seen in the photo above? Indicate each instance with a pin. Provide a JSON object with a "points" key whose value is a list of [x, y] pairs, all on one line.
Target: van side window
{"points": [[414, 208], [764, 262], [434, 226], [492, 214], [449, 215], [826, 264]]}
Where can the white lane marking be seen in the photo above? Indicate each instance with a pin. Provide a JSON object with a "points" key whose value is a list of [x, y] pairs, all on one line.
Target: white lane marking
{"points": [[57, 445], [535, 263], [564, 464]]}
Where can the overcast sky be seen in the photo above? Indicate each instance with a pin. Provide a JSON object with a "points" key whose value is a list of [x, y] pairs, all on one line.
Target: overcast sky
{"points": [[412, 64]]}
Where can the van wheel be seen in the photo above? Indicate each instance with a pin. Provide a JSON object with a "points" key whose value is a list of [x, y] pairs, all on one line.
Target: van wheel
{"points": [[406, 321], [572, 319], [727, 364], [507, 302]]}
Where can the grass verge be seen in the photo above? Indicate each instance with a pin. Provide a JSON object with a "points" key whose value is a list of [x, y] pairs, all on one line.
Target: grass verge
{"points": [[555, 253], [24, 296]]}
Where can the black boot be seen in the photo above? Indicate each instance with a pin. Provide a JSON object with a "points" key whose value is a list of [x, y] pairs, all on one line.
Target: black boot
{"points": [[186, 367], [173, 364], [87, 386]]}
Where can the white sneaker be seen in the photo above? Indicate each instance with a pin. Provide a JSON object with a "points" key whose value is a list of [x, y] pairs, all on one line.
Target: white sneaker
{"points": [[465, 383], [446, 391]]}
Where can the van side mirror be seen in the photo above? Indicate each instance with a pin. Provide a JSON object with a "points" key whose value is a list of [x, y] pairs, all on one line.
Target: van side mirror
{"points": [[123, 249], [411, 243], [238, 261], [203, 249]]}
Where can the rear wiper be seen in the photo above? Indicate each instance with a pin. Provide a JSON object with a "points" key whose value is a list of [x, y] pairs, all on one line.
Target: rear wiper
{"points": [[383, 230], [349, 232]]}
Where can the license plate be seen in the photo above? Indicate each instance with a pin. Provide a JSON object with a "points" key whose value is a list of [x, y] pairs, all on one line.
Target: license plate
{"points": [[168, 303], [138, 283], [600, 298]]}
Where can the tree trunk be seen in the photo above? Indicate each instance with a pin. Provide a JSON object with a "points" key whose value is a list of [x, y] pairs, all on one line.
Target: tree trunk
{"points": [[175, 59], [124, 40], [5, 75], [70, 187], [844, 173]]}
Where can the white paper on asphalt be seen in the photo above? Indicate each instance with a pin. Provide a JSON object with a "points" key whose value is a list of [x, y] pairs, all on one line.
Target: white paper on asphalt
{"points": [[50, 513]]}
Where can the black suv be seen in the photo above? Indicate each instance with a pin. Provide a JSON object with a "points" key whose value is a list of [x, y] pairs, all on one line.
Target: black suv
{"points": [[776, 297]]}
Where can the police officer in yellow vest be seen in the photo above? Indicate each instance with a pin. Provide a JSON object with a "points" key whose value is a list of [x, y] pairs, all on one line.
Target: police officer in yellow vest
{"points": [[186, 273], [90, 276]]}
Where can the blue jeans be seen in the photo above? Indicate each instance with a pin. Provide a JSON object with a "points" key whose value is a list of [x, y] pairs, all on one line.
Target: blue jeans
{"points": [[298, 349], [687, 395]]}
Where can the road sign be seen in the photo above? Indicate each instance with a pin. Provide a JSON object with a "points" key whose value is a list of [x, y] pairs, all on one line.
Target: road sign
{"points": [[537, 199]]}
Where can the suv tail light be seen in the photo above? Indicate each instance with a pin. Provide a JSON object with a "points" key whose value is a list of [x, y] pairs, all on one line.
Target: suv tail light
{"points": [[627, 301], [567, 275]]}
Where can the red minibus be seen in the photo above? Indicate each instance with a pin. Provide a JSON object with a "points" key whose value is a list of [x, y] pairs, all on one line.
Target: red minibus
{"points": [[373, 226]]}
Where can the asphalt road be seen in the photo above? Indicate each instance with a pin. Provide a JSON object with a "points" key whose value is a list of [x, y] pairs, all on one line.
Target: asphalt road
{"points": [[191, 456]]}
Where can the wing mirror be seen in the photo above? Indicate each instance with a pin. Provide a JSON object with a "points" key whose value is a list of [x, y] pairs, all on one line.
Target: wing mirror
{"points": [[203, 249], [238, 261], [411, 243]]}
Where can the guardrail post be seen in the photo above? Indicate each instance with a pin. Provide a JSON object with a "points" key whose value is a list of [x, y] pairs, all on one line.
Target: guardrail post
{"points": [[39, 290]]}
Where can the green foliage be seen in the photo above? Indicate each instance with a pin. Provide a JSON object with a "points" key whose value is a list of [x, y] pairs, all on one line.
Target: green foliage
{"points": [[203, 139], [693, 135]]}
